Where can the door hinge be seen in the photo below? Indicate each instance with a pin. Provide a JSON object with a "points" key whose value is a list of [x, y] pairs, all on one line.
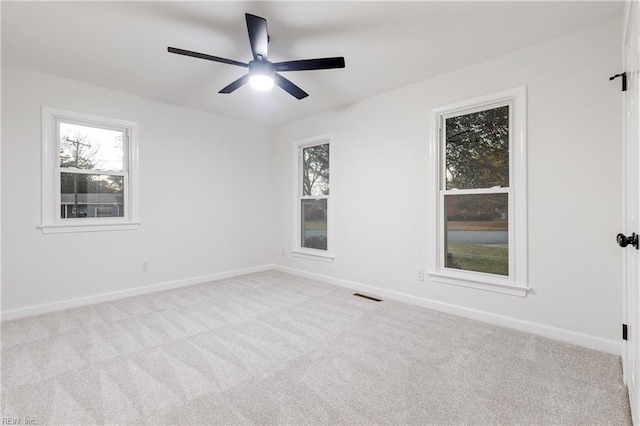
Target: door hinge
{"points": [[624, 331], [624, 80]]}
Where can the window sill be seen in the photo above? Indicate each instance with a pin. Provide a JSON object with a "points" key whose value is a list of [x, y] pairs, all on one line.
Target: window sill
{"points": [[322, 257], [89, 227], [480, 283]]}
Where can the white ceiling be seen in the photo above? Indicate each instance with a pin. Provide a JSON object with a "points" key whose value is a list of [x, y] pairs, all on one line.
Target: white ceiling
{"points": [[123, 45]]}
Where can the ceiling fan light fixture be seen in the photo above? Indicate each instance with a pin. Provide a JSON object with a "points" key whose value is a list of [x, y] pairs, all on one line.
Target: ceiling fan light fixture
{"points": [[261, 74], [261, 82]]}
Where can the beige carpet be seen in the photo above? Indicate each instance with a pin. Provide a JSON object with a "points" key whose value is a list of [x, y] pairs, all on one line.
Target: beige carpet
{"points": [[271, 348]]}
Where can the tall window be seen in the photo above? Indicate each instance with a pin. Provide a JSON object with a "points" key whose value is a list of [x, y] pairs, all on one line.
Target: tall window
{"points": [[88, 172], [480, 221], [313, 199]]}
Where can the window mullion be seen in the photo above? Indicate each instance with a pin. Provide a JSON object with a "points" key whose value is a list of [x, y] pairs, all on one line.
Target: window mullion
{"points": [[89, 171], [499, 190], [314, 197]]}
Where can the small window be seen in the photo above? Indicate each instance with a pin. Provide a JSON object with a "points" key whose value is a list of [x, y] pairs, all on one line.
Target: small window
{"points": [[89, 168], [479, 224], [312, 183]]}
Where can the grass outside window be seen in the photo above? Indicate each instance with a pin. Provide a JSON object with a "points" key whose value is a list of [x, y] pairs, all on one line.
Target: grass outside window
{"points": [[479, 258]]}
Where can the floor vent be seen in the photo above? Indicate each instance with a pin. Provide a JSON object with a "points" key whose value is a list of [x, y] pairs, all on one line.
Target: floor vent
{"points": [[364, 296]]}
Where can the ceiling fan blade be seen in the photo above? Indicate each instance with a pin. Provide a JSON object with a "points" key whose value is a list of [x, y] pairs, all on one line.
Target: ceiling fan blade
{"points": [[236, 84], [207, 57], [310, 64], [289, 87], [258, 36]]}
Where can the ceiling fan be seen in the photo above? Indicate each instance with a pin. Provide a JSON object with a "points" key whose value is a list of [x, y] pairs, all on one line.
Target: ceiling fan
{"points": [[262, 73]]}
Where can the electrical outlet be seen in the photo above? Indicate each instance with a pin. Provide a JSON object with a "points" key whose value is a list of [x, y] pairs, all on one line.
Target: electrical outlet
{"points": [[420, 275], [282, 252], [144, 267]]}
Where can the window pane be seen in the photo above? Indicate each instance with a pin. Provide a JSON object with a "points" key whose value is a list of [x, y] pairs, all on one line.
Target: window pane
{"points": [[477, 149], [315, 170], [89, 148], [314, 224], [91, 195], [477, 233]]}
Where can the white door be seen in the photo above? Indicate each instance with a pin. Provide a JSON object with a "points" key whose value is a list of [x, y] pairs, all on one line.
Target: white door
{"points": [[631, 218]]}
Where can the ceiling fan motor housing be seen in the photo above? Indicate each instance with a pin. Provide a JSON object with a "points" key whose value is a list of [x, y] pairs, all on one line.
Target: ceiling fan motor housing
{"points": [[258, 67]]}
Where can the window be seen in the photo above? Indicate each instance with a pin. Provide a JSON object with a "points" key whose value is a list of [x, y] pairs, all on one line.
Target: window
{"points": [[312, 199], [478, 185], [89, 168]]}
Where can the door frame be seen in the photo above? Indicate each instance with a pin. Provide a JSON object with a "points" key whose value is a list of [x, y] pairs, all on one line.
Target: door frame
{"points": [[631, 182]]}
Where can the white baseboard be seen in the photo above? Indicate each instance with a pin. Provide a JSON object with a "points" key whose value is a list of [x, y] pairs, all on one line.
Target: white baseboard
{"points": [[555, 333], [137, 291]]}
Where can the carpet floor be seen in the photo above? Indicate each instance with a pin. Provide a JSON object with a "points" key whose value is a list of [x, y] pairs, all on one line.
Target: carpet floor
{"points": [[272, 348]]}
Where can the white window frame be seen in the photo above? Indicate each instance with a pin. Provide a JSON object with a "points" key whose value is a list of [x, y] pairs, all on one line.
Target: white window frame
{"points": [[517, 281], [298, 250], [51, 220]]}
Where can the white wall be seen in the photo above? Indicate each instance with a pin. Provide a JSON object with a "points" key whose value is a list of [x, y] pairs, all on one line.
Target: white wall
{"points": [[574, 144], [205, 196]]}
